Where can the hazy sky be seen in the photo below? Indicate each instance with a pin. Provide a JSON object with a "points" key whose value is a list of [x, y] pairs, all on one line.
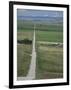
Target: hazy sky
{"points": [[38, 13]]}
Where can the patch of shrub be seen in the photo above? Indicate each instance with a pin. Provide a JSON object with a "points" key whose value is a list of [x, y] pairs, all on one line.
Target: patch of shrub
{"points": [[25, 41]]}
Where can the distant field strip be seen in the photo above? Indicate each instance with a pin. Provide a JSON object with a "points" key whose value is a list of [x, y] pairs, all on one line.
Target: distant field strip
{"points": [[49, 36]]}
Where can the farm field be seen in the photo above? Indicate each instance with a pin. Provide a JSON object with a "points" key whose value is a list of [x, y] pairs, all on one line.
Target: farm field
{"points": [[49, 61], [49, 54], [24, 34], [50, 36], [23, 53]]}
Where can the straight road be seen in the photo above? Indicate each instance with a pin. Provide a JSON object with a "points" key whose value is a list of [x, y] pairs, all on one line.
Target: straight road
{"points": [[32, 69]]}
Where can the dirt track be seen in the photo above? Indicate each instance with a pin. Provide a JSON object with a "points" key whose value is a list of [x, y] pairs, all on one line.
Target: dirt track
{"points": [[32, 69]]}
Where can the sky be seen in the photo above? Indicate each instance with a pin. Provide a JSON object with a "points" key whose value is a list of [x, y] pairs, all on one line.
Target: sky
{"points": [[38, 14]]}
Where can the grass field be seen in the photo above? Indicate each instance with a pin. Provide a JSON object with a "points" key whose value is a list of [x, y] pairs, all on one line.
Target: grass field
{"points": [[49, 62], [50, 36], [23, 59], [49, 54], [22, 34], [23, 53]]}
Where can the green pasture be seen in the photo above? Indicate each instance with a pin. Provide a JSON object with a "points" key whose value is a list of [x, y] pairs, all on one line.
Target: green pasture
{"points": [[49, 36]]}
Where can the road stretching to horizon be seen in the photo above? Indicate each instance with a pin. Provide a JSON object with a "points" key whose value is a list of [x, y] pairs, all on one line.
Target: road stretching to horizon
{"points": [[32, 68]]}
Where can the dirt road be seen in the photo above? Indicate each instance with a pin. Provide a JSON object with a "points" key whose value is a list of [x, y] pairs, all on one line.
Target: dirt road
{"points": [[32, 69]]}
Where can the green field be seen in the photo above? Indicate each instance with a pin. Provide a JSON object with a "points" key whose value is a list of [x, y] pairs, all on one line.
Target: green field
{"points": [[50, 36]]}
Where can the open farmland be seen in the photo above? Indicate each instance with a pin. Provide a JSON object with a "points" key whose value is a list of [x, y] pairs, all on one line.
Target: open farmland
{"points": [[49, 61], [49, 56], [50, 36], [47, 48]]}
